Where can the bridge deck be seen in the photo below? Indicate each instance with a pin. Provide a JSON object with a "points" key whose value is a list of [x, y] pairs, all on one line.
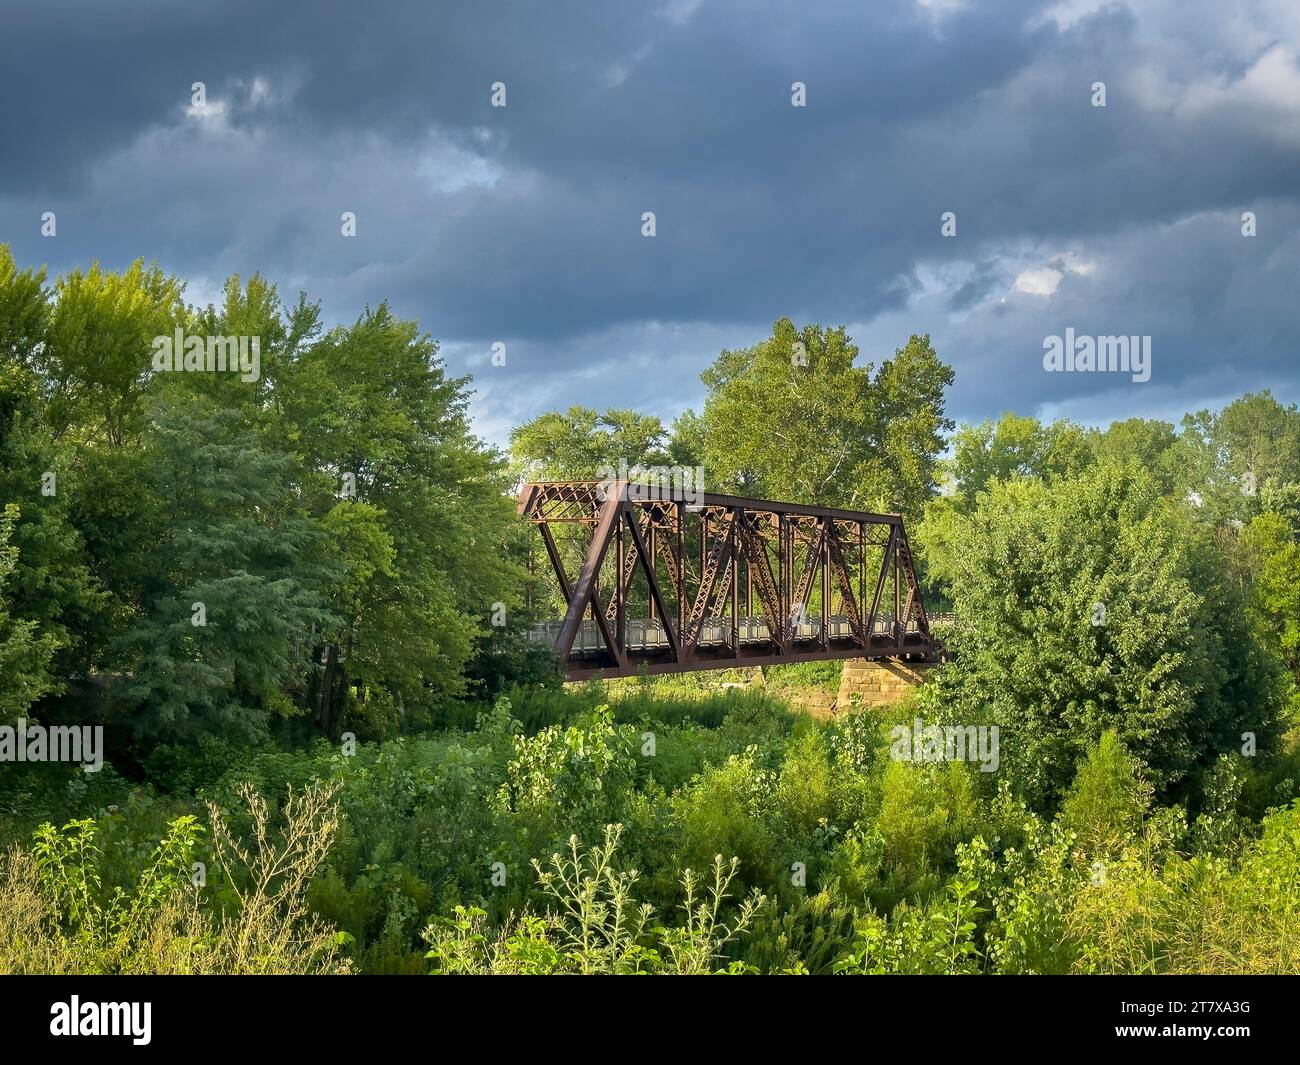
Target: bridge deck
{"points": [[649, 650]]}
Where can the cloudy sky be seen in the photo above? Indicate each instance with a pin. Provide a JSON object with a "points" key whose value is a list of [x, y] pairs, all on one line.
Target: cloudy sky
{"points": [[523, 224]]}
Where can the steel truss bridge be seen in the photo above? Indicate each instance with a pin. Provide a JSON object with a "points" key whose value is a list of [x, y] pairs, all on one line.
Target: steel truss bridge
{"points": [[673, 585]]}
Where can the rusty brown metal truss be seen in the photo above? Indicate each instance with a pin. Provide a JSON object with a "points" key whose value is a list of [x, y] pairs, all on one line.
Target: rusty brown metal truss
{"points": [[667, 585]]}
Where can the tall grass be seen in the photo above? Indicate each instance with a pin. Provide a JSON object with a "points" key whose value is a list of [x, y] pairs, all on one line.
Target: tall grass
{"points": [[60, 915]]}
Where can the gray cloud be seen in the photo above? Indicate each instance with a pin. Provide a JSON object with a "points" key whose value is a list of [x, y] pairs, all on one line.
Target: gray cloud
{"points": [[523, 224]]}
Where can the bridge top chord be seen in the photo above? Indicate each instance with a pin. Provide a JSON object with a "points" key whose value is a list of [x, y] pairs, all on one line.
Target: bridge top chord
{"points": [[549, 500]]}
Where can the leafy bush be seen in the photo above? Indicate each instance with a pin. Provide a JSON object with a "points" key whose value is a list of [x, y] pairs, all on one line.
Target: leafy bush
{"points": [[1108, 799]]}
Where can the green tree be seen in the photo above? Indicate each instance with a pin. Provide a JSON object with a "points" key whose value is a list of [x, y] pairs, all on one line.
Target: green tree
{"points": [[1089, 604], [795, 418], [1155, 445], [687, 444], [374, 420], [1232, 454], [236, 597], [581, 443], [51, 584], [1015, 446], [1272, 557], [95, 358]]}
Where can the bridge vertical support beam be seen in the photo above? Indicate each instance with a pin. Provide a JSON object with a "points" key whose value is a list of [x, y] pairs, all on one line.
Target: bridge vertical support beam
{"points": [[652, 583], [735, 580], [862, 575], [898, 603], [749, 582], [681, 570], [654, 539], [783, 579], [886, 564], [826, 584], [620, 615], [704, 541]]}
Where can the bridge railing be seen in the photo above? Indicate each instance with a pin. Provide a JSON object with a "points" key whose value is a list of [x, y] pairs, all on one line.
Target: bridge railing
{"points": [[649, 635]]}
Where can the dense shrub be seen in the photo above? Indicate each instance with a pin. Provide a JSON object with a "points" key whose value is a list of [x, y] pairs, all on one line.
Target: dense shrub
{"points": [[1091, 603]]}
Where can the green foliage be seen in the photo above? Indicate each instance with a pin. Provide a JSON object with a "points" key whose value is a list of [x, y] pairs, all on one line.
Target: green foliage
{"points": [[1014, 446], [924, 811], [255, 572], [794, 418], [423, 561], [1090, 604], [579, 775], [93, 353], [63, 910], [721, 812], [111, 923], [24, 653], [1026, 894], [1154, 445], [50, 584], [490, 842], [934, 941], [801, 935], [1108, 799], [507, 658], [803, 675], [594, 925], [1252, 442], [169, 489], [581, 443], [1271, 554]]}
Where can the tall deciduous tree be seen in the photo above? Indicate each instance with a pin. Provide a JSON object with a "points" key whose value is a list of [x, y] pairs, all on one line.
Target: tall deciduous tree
{"points": [[1270, 555], [1155, 445], [374, 420], [795, 417], [1252, 441], [239, 582], [50, 584], [94, 361], [580, 443], [1015, 446]]}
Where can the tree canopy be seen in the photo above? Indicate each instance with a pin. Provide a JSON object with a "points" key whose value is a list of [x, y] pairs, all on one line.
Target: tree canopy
{"points": [[796, 417], [322, 538]]}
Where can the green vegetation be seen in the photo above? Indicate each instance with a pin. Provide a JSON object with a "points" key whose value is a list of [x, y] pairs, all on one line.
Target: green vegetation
{"points": [[278, 598], [1093, 603], [325, 544], [766, 843]]}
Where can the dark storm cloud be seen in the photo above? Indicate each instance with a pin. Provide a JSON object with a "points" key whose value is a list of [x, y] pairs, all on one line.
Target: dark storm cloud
{"points": [[523, 224]]}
